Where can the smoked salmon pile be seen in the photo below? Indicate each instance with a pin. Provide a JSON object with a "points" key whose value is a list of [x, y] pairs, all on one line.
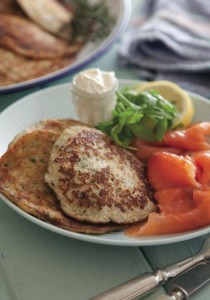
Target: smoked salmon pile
{"points": [[179, 172]]}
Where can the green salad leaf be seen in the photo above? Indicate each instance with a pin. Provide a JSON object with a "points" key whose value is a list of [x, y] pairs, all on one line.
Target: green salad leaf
{"points": [[146, 115]]}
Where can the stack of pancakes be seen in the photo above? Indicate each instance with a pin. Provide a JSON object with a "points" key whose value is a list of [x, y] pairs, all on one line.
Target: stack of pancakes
{"points": [[27, 50], [75, 177]]}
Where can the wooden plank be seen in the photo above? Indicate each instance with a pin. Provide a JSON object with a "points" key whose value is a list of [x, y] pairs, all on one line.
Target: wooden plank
{"points": [[43, 265], [160, 256]]}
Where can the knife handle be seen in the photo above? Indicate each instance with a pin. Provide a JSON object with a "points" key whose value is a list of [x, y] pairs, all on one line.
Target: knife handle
{"points": [[174, 295], [132, 289]]}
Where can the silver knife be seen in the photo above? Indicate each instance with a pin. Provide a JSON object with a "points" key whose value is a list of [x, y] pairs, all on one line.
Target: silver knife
{"points": [[187, 283], [145, 283]]}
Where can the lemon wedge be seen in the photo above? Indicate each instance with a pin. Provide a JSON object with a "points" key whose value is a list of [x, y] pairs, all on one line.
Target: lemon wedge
{"points": [[173, 93]]}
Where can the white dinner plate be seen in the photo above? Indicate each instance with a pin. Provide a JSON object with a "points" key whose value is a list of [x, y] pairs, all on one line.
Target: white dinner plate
{"points": [[55, 102]]}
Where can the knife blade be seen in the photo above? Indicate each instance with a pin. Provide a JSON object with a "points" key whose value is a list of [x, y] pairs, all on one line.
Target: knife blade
{"points": [[187, 283]]}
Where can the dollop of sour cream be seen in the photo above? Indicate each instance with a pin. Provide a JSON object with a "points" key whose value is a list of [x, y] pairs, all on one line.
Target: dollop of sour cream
{"points": [[94, 98], [95, 81]]}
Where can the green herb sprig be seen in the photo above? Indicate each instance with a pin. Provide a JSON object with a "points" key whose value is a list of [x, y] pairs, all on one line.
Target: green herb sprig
{"points": [[92, 21], [146, 115]]}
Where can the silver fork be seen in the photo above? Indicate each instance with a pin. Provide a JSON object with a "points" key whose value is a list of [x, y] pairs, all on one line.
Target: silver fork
{"points": [[145, 283]]}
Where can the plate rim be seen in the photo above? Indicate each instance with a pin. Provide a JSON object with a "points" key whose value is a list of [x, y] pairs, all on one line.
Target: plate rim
{"points": [[103, 238]]}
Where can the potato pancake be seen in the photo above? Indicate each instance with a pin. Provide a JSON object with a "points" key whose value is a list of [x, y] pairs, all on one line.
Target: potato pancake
{"points": [[22, 170], [15, 68], [97, 181], [26, 38]]}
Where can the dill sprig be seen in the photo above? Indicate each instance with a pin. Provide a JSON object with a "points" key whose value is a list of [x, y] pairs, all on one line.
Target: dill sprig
{"points": [[92, 21]]}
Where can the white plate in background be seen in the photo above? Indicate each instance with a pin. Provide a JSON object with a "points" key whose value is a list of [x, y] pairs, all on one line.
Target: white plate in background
{"points": [[121, 11]]}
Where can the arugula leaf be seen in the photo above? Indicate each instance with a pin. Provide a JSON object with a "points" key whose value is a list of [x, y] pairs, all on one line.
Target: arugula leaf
{"points": [[146, 115]]}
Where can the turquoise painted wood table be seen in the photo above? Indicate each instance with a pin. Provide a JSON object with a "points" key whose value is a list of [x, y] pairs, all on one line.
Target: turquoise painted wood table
{"points": [[36, 264]]}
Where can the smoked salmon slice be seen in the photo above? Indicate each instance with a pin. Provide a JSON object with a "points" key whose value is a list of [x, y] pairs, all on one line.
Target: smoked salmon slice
{"points": [[194, 138], [167, 170], [175, 200], [169, 223], [202, 162], [146, 149], [199, 196], [157, 224], [181, 181]]}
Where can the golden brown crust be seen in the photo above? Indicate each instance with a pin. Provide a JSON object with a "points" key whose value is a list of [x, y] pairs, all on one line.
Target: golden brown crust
{"points": [[15, 68], [10, 7], [51, 15], [22, 170], [96, 180], [55, 125], [26, 38]]}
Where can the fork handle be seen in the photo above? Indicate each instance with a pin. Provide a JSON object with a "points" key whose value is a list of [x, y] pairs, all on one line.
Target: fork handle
{"points": [[131, 289]]}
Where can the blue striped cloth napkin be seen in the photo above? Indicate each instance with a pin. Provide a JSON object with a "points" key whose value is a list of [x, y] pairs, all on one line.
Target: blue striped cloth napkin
{"points": [[170, 40]]}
